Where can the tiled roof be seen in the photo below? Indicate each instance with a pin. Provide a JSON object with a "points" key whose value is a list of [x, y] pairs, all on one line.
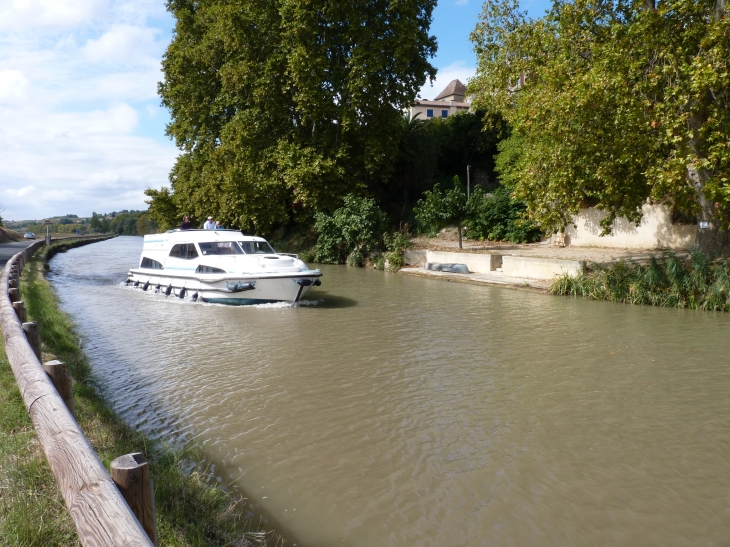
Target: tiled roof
{"points": [[455, 87]]}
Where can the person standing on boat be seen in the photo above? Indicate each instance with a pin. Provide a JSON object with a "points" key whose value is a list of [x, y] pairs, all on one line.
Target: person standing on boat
{"points": [[209, 224], [218, 225], [186, 224]]}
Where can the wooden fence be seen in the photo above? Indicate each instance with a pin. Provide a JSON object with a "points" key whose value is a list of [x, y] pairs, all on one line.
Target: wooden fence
{"points": [[99, 511]]}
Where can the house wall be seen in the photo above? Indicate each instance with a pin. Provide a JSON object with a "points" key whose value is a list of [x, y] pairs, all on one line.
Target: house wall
{"points": [[656, 230], [437, 107]]}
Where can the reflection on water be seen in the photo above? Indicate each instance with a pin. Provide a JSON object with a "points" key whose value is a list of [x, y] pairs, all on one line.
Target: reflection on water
{"points": [[404, 411]]}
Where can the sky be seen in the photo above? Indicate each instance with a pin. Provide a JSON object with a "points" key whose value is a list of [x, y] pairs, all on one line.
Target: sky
{"points": [[81, 126]]}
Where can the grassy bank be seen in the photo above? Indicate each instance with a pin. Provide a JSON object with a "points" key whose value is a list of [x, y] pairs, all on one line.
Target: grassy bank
{"points": [[666, 280], [191, 511]]}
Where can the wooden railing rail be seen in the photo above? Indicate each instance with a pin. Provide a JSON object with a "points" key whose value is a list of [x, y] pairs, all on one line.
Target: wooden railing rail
{"points": [[98, 510]]}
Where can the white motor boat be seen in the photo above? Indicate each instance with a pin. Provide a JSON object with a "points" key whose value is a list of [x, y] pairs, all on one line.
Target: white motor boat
{"points": [[222, 266]]}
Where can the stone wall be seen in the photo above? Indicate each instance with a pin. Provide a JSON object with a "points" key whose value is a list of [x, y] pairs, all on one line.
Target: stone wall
{"points": [[656, 230]]}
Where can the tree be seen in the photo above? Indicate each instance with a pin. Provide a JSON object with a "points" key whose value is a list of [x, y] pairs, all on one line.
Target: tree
{"points": [[351, 230], [95, 223], [435, 151], [283, 103], [612, 104], [439, 209], [145, 225]]}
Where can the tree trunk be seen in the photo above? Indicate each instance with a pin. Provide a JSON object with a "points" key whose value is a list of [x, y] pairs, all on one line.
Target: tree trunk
{"points": [[458, 228], [710, 239]]}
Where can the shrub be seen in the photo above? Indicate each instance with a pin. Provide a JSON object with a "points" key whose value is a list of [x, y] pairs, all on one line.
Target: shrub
{"points": [[499, 217], [438, 209], [354, 227], [665, 281], [396, 243], [378, 261]]}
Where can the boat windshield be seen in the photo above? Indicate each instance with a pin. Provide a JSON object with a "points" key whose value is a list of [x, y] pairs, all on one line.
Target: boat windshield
{"points": [[256, 247], [220, 248]]}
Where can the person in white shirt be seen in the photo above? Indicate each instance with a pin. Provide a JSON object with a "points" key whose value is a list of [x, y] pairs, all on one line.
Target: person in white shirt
{"points": [[209, 224]]}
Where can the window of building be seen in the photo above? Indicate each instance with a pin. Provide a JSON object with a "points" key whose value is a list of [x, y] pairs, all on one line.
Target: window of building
{"points": [[444, 113], [220, 248], [152, 264], [184, 250], [209, 270], [429, 112]]}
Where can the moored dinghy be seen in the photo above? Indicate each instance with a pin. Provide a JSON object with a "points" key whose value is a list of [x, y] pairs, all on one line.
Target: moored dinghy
{"points": [[222, 266]]}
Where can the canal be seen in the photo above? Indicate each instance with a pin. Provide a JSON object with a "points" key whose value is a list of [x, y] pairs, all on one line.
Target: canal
{"points": [[390, 410]]}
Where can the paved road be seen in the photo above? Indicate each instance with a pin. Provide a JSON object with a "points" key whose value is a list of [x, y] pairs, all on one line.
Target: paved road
{"points": [[7, 250]]}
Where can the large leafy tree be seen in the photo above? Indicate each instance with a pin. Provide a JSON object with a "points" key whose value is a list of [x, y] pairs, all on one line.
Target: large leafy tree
{"points": [[276, 103], [612, 103]]}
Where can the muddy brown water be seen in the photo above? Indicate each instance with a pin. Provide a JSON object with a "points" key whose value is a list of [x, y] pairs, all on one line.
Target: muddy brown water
{"points": [[391, 410]]}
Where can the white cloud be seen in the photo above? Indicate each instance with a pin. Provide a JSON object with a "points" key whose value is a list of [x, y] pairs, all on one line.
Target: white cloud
{"points": [[23, 14], [455, 71], [126, 45], [78, 80], [13, 86]]}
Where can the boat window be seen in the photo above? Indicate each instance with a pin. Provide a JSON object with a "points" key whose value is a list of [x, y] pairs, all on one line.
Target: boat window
{"points": [[152, 264], [220, 248], [209, 270], [184, 250], [256, 247]]}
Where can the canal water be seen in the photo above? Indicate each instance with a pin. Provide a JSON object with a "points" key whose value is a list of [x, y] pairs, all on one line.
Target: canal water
{"points": [[390, 410]]}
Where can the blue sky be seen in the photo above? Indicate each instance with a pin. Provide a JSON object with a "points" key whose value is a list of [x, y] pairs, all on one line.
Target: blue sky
{"points": [[82, 127]]}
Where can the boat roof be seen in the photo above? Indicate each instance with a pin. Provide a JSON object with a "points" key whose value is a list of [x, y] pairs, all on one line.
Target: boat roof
{"points": [[197, 236]]}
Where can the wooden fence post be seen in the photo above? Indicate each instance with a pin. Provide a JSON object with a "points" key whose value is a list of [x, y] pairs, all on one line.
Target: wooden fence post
{"points": [[131, 473], [14, 295], [20, 311], [33, 334], [61, 379], [12, 283]]}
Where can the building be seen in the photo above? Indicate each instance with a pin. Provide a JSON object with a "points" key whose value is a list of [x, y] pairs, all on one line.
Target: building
{"points": [[450, 101]]}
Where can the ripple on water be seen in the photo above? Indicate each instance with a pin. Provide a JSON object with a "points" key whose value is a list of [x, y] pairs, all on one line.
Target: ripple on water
{"points": [[391, 410]]}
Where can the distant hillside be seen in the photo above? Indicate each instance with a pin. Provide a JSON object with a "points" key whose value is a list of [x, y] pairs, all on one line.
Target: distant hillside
{"points": [[9, 235]]}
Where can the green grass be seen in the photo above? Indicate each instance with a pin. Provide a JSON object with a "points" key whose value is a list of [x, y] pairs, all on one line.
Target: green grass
{"points": [[190, 510], [666, 280]]}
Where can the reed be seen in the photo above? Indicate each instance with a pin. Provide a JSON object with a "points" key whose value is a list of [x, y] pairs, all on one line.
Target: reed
{"points": [[667, 280], [192, 509]]}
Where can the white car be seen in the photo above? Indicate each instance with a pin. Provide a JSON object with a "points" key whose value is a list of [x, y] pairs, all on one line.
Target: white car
{"points": [[29, 235]]}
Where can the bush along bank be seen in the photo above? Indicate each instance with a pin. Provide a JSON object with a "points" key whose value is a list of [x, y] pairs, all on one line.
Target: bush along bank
{"points": [[356, 234], [191, 509], [670, 281]]}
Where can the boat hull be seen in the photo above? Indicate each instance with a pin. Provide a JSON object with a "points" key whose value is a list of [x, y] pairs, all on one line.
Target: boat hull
{"points": [[234, 290]]}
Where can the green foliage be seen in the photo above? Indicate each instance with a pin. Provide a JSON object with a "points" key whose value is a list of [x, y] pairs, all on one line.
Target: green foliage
{"points": [[95, 223], [499, 217], [619, 102], [396, 244], [378, 261], [355, 259], [349, 231], [436, 150], [278, 105], [163, 209], [441, 209], [669, 281], [134, 223], [438, 209]]}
